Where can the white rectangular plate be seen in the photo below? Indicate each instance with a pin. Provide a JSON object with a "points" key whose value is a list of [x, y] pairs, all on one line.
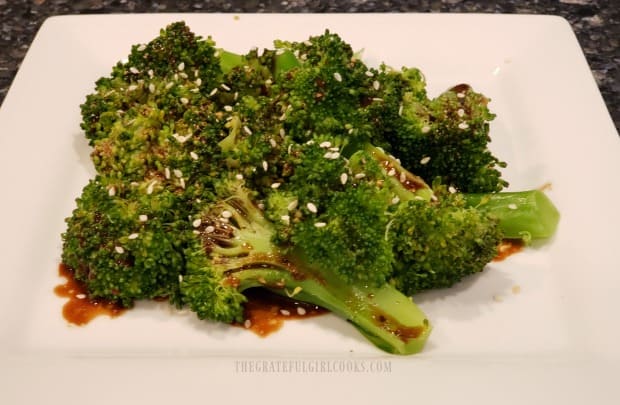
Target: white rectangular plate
{"points": [[540, 327]]}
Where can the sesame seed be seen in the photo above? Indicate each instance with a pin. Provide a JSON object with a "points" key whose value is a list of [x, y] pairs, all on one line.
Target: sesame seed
{"points": [[119, 250], [198, 81], [307, 43], [143, 218], [452, 190], [169, 85], [460, 95], [325, 144], [224, 87], [239, 176], [301, 311], [152, 88], [320, 224], [213, 92], [112, 191], [133, 236], [268, 82], [209, 229], [150, 187], [132, 87], [512, 206], [183, 75], [134, 70], [285, 312], [265, 165], [391, 172], [177, 173], [181, 66], [247, 130], [193, 155], [196, 72], [376, 85], [400, 110], [182, 182], [272, 142], [196, 223], [463, 125], [460, 112], [360, 175], [167, 172], [180, 278], [311, 207], [403, 177], [80, 296], [142, 47], [228, 108], [181, 138], [226, 214], [292, 205], [377, 99], [395, 200], [332, 155], [425, 160], [338, 77], [247, 324], [275, 185], [184, 100], [425, 129], [151, 73], [343, 178], [369, 73], [351, 130], [286, 219]]}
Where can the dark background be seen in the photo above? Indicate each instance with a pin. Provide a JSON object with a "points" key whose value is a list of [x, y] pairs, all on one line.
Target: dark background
{"points": [[595, 23]]}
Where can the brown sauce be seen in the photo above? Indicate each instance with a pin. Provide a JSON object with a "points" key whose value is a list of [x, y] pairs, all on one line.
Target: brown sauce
{"points": [[390, 324], [265, 312], [508, 247], [80, 310]]}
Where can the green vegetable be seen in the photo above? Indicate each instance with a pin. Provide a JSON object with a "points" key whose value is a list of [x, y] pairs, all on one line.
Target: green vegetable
{"points": [[297, 169]]}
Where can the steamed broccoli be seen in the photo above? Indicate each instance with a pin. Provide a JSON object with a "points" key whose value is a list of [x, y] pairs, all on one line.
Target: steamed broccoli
{"points": [[287, 169]]}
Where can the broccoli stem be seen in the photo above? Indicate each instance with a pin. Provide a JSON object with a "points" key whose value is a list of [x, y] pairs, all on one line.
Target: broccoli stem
{"points": [[523, 215], [386, 317]]}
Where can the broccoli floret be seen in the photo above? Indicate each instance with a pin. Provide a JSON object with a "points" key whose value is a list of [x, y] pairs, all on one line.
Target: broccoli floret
{"points": [[239, 253], [439, 235], [447, 139], [437, 244], [121, 242]]}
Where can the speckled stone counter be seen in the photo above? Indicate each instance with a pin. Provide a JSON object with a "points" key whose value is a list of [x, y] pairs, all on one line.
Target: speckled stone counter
{"points": [[596, 23]]}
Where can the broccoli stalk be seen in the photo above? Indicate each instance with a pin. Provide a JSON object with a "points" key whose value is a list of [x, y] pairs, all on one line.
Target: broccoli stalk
{"points": [[237, 241], [526, 215]]}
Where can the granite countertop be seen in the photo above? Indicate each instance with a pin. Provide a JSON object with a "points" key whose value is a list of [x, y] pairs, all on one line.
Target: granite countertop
{"points": [[596, 23]]}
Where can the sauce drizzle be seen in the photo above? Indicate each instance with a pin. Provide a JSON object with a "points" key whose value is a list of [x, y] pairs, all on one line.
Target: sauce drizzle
{"points": [[79, 309], [265, 312], [508, 247]]}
